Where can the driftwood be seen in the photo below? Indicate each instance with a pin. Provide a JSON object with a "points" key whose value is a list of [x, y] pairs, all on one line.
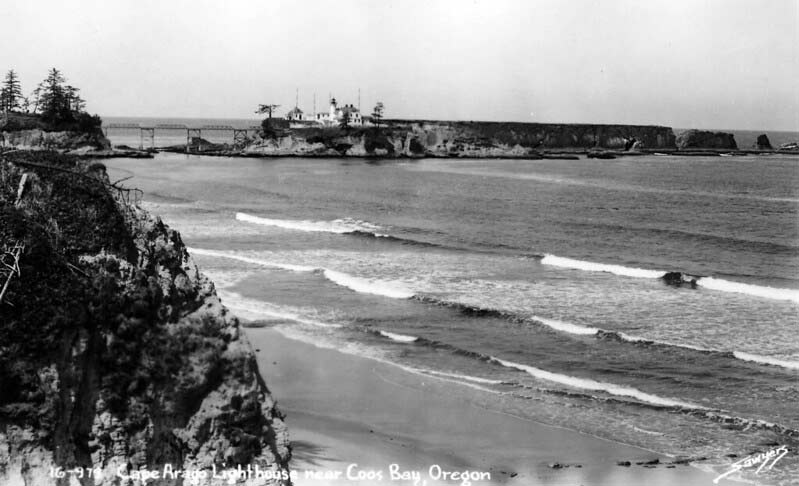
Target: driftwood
{"points": [[21, 189], [9, 264], [9, 260]]}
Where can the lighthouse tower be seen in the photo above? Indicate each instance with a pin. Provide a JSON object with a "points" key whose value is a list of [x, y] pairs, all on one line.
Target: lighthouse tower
{"points": [[333, 109]]}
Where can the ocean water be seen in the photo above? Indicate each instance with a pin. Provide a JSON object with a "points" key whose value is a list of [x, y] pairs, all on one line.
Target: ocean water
{"points": [[535, 284]]}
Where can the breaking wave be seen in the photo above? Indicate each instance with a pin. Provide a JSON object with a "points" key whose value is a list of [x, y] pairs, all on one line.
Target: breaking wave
{"points": [[458, 376], [756, 290], [340, 226], [601, 267], [397, 290], [589, 331], [257, 310], [755, 358], [393, 290], [588, 384], [567, 327], [706, 282], [255, 261], [401, 338]]}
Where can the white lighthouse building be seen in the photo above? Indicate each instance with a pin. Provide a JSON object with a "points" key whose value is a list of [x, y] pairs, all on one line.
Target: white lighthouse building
{"points": [[335, 113]]}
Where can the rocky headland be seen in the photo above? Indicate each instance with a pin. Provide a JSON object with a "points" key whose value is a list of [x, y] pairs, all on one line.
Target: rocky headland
{"points": [[422, 138], [116, 355], [84, 137]]}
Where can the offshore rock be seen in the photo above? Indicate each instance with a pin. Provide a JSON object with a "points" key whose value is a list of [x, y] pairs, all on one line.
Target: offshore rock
{"points": [[701, 139], [763, 143]]}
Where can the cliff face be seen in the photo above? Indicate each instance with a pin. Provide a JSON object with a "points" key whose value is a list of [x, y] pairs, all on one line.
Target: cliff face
{"points": [[460, 139], [115, 352], [449, 135], [700, 139], [38, 139]]}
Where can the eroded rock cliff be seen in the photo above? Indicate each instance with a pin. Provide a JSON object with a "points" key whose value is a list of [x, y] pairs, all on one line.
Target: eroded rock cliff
{"points": [[115, 352], [701, 139], [400, 138], [38, 139]]}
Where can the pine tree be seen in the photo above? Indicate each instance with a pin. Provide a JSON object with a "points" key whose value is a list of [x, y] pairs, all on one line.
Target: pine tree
{"points": [[268, 109], [54, 98], [344, 122], [11, 92], [74, 101], [35, 101]]}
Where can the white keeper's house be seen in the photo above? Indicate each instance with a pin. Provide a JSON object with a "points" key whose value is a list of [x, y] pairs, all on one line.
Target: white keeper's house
{"points": [[297, 118]]}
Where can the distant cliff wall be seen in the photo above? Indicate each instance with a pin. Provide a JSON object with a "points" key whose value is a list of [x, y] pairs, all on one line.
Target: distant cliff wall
{"points": [[701, 139], [540, 135]]}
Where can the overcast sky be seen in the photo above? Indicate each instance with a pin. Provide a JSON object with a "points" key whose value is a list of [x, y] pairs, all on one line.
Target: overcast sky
{"points": [[699, 63]]}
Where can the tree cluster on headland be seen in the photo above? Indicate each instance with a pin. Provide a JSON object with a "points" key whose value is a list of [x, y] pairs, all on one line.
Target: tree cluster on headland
{"points": [[54, 105]]}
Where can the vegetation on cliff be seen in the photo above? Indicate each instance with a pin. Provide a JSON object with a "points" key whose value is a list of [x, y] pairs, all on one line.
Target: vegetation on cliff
{"points": [[114, 349], [54, 106]]}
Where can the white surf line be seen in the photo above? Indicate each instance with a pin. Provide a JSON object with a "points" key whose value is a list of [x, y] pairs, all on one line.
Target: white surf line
{"points": [[255, 309], [755, 358], [338, 226], [749, 289], [600, 267], [706, 282], [255, 261], [402, 338], [365, 286], [392, 290], [580, 330], [588, 384]]}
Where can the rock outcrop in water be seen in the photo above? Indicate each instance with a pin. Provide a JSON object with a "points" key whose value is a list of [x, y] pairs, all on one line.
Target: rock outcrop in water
{"points": [[763, 143], [402, 138], [701, 139], [115, 352]]}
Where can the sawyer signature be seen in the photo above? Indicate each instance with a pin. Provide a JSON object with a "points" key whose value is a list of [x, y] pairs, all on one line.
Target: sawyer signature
{"points": [[772, 456]]}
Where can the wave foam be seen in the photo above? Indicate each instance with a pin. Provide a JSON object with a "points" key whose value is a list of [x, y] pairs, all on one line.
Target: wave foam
{"points": [[793, 365], [401, 338], [256, 310], [393, 290], [588, 384], [755, 290], [255, 261], [339, 226], [457, 376], [600, 267], [706, 282], [567, 327]]}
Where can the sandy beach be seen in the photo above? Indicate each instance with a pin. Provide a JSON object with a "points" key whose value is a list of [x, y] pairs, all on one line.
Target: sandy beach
{"points": [[348, 414]]}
